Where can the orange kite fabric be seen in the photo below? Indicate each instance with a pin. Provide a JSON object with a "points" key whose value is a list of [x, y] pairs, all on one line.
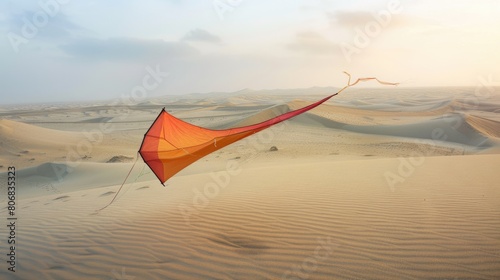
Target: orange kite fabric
{"points": [[171, 144]]}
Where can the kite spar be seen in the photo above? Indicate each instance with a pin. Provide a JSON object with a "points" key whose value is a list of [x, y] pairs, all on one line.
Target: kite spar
{"points": [[171, 144]]}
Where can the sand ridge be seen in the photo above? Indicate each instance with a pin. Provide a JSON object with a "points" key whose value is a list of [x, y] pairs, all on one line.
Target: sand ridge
{"points": [[366, 186], [250, 229]]}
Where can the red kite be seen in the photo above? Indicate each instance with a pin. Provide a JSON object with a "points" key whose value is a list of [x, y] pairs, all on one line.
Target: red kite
{"points": [[171, 144]]}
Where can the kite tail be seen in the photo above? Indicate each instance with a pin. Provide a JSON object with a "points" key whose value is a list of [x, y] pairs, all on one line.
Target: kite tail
{"points": [[363, 80], [130, 171]]}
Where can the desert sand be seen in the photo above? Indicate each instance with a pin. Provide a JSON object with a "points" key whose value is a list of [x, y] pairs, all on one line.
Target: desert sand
{"points": [[391, 183]]}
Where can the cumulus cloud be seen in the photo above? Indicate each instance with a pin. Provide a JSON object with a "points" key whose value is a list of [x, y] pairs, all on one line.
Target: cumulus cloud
{"points": [[350, 19], [201, 35], [57, 28], [312, 42], [127, 49]]}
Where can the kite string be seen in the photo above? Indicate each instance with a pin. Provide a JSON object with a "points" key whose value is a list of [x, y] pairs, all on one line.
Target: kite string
{"points": [[140, 174], [342, 89], [363, 80], [130, 171]]}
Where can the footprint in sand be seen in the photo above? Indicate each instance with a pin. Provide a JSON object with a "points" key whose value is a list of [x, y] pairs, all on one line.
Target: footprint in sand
{"points": [[107, 193], [62, 198]]}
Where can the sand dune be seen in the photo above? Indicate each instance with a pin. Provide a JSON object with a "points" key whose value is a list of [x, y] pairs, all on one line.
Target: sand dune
{"points": [[485, 126], [42, 179], [378, 110], [457, 128], [350, 226], [260, 116], [452, 128], [26, 144], [376, 184], [20, 134]]}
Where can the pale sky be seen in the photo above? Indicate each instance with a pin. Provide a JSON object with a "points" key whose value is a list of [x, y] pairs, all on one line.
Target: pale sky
{"points": [[72, 50]]}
